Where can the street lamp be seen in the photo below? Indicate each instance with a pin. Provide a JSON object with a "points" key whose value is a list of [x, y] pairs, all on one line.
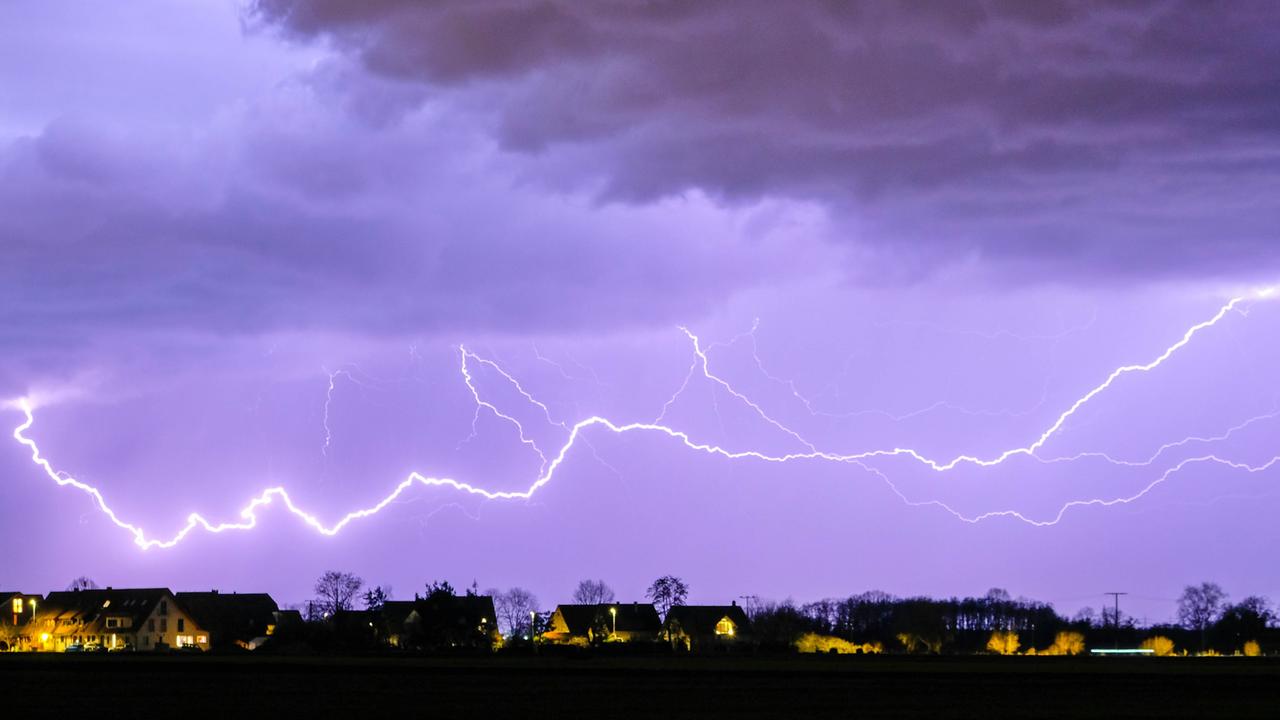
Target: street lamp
{"points": [[33, 612], [614, 612]]}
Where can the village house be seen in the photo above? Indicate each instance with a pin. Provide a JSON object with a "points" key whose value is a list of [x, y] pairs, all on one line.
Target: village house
{"points": [[703, 628], [243, 620], [18, 611], [110, 619], [589, 624], [395, 614], [441, 621]]}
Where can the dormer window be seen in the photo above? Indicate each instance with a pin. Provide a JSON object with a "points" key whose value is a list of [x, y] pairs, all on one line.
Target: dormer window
{"points": [[724, 627], [17, 605]]}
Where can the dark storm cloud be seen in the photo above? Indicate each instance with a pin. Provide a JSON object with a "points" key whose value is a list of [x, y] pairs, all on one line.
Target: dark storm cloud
{"points": [[1060, 137]]}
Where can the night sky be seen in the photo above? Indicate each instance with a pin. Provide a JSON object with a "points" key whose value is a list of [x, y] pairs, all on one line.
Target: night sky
{"points": [[321, 245]]}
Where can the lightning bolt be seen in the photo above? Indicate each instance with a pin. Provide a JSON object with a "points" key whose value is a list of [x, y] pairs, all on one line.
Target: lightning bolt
{"points": [[551, 463], [328, 400]]}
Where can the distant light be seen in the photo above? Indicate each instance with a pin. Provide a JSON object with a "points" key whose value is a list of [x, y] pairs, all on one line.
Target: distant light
{"points": [[1123, 651]]}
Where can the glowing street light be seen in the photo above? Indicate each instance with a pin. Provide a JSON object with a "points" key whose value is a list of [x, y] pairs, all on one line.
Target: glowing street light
{"points": [[614, 612]]}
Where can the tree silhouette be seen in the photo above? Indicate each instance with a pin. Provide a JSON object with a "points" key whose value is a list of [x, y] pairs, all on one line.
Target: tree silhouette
{"points": [[440, 589], [514, 607], [376, 598], [1246, 620], [84, 582], [667, 592], [336, 591], [593, 592], [1199, 606]]}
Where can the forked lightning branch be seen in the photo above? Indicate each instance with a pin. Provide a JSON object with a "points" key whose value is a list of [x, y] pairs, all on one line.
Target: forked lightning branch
{"points": [[806, 451]]}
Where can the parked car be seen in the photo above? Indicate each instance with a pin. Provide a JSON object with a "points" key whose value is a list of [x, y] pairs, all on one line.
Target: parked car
{"points": [[95, 647], [75, 648]]}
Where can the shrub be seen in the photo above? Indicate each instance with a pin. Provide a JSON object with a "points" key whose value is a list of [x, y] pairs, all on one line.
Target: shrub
{"points": [[815, 643], [1160, 645], [1003, 642]]}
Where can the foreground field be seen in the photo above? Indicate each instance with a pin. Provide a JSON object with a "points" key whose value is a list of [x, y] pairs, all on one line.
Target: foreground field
{"points": [[871, 687]]}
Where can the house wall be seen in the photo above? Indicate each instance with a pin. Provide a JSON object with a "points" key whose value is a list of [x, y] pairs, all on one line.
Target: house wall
{"points": [[168, 624]]}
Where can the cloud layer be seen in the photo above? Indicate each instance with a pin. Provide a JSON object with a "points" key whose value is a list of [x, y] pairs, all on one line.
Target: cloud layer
{"points": [[1063, 139]]}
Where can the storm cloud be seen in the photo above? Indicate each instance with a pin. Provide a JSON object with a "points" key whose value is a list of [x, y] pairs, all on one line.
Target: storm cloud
{"points": [[1060, 140]]}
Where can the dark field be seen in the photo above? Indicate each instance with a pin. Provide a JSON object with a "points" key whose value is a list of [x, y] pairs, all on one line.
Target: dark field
{"points": [[799, 687]]}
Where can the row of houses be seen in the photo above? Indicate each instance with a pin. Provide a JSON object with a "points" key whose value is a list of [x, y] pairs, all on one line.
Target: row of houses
{"points": [[151, 619], [689, 627], [469, 622], [137, 619]]}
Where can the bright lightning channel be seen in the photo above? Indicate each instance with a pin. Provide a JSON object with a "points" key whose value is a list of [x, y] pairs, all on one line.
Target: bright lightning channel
{"points": [[550, 464]]}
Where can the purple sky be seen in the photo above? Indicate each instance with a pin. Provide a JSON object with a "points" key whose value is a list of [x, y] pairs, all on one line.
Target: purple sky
{"points": [[243, 244]]}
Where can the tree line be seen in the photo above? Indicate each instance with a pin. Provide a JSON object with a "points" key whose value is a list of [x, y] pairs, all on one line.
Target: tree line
{"points": [[1207, 621], [996, 622]]}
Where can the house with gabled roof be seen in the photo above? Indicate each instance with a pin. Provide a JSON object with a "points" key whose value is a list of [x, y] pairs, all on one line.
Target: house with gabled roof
{"points": [[443, 621], [609, 622], [243, 620], [127, 619], [395, 616], [17, 609], [701, 628]]}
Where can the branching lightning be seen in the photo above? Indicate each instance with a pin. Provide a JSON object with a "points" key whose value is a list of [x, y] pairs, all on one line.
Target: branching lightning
{"points": [[551, 462]]}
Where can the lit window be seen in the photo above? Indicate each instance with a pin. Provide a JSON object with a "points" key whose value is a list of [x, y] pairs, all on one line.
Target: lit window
{"points": [[106, 603], [202, 639], [184, 641], [724, 627], [17, 605]]}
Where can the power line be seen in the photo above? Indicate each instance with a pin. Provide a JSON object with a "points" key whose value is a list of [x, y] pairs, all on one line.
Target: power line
{"points": [[1117, 595]]}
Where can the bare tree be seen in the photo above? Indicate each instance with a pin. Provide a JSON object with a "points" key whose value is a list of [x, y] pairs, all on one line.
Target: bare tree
{"points": [[336, 591], [593, 592], [667, 592], [514, 608], [84, 582], [1199, 606]]}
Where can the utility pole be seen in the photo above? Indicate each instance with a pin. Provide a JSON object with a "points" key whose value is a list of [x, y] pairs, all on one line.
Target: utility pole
{"points": [[1116, 619]]}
